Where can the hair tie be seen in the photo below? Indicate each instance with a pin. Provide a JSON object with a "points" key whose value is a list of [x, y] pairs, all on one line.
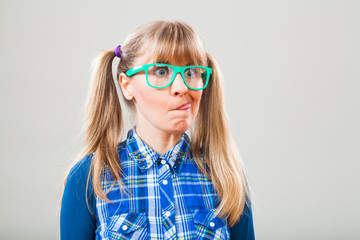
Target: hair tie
{"points": [[117, 51]]}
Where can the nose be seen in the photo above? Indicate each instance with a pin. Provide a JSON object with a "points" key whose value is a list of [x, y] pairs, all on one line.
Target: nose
{"points": [[178, 86]]}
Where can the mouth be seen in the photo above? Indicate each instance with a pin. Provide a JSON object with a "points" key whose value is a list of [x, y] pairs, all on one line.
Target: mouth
{"points": [[185, 106]]}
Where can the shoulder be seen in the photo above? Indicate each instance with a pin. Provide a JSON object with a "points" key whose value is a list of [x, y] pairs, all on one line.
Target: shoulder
{"points": [[78, 190], [77, 178], [81, 169]]}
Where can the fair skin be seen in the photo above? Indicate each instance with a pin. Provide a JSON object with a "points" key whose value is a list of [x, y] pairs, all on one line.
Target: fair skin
{"points": [[159, 121]]}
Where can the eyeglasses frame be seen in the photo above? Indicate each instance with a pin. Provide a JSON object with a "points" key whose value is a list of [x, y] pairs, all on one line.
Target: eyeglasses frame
{"points": [[176, 69]]}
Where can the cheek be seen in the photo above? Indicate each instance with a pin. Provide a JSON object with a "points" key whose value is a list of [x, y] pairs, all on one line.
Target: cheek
{"points": [[196, 96], [148, 100]]}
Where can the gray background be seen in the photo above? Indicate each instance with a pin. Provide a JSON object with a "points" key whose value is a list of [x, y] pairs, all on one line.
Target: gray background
{"points": [[291, 72]]}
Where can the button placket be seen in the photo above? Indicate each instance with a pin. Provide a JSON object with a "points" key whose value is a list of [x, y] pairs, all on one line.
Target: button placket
{"points": [[167, 198]]}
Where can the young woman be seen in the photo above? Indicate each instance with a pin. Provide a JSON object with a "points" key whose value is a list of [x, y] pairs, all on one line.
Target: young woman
{"points": [[159, 182]]}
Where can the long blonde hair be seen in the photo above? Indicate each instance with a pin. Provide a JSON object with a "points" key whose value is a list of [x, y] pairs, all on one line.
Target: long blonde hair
{"points": [[211, 141]]}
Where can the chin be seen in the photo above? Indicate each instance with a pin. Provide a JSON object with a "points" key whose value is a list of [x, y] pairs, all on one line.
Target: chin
{"points": [[180, 127]]}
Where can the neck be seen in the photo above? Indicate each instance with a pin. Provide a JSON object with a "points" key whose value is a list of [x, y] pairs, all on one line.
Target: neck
{"points": [[159, 140]]}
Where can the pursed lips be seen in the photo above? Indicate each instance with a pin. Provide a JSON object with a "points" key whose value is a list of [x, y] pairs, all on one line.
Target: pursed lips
{"points": [[185, 106]]}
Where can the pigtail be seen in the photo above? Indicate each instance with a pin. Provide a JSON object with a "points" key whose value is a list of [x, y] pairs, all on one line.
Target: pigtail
{"points": [[104, 124], [212, 134]]}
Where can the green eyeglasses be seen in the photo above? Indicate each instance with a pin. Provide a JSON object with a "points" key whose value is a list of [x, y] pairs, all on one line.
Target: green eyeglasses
{"points": [[160, 75]]}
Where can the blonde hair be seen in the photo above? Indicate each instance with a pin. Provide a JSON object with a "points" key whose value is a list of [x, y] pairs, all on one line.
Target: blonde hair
{"points": [[211, 141]]}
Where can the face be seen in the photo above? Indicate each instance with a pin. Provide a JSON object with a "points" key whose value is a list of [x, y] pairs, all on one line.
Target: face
{"points": [[172, 109]]}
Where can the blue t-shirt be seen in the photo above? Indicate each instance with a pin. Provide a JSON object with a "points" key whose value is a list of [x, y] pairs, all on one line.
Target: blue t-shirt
{"points": [[169, 196]]}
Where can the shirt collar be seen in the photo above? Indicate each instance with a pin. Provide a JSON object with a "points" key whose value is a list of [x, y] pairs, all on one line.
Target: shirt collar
{"points": [[145, 157]]}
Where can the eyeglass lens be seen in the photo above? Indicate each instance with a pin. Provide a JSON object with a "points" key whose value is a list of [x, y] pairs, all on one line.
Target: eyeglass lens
{"points": [[160, 76]]}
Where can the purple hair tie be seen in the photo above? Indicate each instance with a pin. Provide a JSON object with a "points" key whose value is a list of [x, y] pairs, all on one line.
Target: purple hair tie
{"points": [[117, 51]]}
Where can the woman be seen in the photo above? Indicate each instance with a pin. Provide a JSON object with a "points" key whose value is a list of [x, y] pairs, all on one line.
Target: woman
{"points": [[158, 183]]}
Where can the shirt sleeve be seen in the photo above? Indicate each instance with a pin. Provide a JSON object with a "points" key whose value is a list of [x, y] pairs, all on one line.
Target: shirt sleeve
{"points": [[77, 219], [244, 228]]}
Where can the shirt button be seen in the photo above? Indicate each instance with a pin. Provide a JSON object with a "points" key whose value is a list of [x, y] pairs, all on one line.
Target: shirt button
{"points": [[165, 182], [124, 227], [163, 161], [167, 213], [212, 224]]}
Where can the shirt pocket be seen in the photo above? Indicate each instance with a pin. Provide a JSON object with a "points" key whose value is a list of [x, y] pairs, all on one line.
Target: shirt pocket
{"points": [[127, 226], [209, 226]]}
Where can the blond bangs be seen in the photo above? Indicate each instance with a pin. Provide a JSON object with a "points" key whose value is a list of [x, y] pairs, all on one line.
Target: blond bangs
{"points": [[178, 44]]}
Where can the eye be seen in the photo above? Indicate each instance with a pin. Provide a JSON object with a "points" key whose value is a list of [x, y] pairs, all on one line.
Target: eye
{"points": [[190, 73], [161, 71]]}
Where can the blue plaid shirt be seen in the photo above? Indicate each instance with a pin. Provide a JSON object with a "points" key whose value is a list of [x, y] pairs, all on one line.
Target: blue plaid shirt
{"points": [[169, 197]]}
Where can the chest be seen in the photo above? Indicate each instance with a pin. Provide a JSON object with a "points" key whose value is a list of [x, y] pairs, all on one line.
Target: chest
{"points": [[161, 205]]}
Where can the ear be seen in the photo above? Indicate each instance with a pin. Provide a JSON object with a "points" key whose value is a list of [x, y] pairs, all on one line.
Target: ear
{"points": [[126, 86]]}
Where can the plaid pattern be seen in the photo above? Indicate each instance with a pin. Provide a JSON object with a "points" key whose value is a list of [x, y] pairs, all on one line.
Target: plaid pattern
{"points": [[169, 198]]}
